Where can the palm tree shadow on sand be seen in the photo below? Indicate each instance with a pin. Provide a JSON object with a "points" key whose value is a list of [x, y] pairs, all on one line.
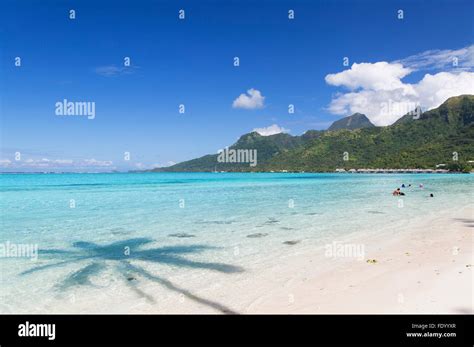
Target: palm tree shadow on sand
{"points": [[121, 254]]}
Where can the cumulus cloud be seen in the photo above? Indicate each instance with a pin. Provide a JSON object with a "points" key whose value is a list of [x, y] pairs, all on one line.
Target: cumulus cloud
{"points": [[377, 76], [271, 130], [377, 89], [252, 100]]}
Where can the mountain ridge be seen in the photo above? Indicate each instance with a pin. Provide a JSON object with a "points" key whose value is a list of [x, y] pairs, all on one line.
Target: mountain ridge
{"points": [[352, 122], [420, 140]]}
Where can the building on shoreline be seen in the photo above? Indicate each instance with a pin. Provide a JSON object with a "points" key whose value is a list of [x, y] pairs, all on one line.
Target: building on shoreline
{"points": [[391, 171]]}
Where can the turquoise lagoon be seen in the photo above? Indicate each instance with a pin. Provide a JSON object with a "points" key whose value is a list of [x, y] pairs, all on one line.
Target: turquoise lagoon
{"points": [[96, 228]]}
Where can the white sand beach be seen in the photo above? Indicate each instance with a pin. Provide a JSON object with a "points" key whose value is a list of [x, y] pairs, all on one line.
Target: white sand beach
{"points": [[427, 268]]}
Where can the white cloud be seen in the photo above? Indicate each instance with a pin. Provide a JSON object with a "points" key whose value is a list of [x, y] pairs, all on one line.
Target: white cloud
{"points": [[45, 163], [271, 130], [438, 59], [377, 89], [252, 100], [95, 163], [433, 90], [378, 76], [112, 70]]}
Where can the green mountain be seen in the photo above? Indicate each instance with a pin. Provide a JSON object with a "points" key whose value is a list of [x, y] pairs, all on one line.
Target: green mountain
{"points": [[267, 147], [433, 137], [356, 121]]}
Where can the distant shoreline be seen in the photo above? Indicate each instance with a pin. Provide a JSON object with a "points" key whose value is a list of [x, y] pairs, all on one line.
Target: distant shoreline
{"points": [[366, 171]]}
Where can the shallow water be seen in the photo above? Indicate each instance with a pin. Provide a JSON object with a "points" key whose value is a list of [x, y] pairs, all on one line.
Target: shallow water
{"points": [[96, 230]]}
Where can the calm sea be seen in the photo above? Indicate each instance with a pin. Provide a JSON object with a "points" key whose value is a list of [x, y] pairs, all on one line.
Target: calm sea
{"points": [[95, 229]]}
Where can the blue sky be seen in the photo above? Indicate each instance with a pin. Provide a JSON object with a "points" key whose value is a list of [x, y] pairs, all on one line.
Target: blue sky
{"points": [[190, 62]]}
